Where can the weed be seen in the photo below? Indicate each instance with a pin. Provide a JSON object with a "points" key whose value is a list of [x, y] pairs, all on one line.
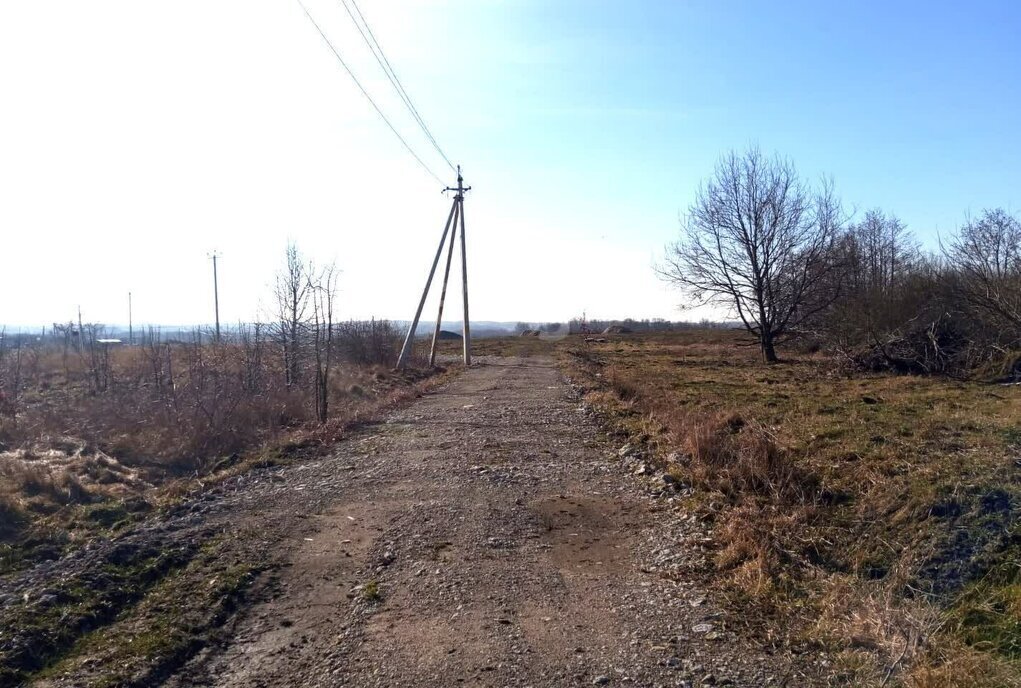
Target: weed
{"points": [[370, 592]]}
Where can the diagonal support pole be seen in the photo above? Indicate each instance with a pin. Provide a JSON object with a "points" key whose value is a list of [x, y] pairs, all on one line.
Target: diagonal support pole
{"points": [[443, 292], [402, 361]]}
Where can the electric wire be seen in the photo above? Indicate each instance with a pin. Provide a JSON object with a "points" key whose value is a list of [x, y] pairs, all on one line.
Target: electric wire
{"points": [[384, 63], [365, 93]]}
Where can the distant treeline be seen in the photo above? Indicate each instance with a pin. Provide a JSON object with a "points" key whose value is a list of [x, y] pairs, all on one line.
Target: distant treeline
{"points": [[579, 326]]}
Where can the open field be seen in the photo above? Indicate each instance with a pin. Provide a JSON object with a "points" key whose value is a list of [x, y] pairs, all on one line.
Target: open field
{"points": [[873, 514], [679, 512], [90, 447]]}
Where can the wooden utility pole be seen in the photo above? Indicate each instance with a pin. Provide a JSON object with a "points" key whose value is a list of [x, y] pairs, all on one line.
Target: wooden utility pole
{"points": [[216, 295], [455, 217], [131, 331], [466, 335]]}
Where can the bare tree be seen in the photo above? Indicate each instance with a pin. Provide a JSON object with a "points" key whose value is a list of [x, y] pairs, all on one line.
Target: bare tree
{"points": [[67, 333], [985, 259], [878, 257], [323, 289], [96, 356], [758, 241], [250, 345], [292, 295], [884, 253]]}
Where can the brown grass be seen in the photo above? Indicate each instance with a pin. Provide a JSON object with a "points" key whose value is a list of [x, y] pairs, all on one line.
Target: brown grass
{"points": [[956, 665], [165, 421], [196, 403], [30, 483], [524, 347]]}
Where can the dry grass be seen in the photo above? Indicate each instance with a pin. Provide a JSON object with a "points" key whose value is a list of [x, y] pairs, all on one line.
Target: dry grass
{"points": [[862, 509], [165, 422], [524, 347], [195, 403], [960, 666]]}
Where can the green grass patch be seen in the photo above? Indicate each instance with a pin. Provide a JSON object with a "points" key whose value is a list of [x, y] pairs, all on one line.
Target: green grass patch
{"points": [[41, 629], [148, 641], [987, 615]]}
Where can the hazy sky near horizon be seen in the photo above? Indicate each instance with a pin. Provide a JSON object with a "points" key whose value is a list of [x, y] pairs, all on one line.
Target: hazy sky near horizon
{"points": [[137, 136]]}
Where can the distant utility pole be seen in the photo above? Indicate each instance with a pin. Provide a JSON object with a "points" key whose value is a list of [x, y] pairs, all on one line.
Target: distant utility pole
{"points": [[81, 333], [455, 217], [216, 295], [131, 331]]}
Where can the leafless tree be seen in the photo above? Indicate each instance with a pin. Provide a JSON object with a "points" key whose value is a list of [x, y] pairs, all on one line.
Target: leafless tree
{"points": [[323, 289], [884, 253], [985, 261], [292, 295], [96, 356], [67, 332], [250, 344], [759, 241], [878, 259]]}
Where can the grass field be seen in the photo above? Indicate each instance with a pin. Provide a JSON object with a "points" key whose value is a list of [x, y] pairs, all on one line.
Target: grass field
{"points": [[875, 514]]}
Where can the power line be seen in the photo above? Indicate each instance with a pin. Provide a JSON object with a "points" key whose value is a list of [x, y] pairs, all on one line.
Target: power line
{"points": [[365, 93], [384, 63]]}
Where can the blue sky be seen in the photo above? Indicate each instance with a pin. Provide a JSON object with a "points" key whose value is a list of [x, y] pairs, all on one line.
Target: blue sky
{"points": [[136, 137], [913, 108]]}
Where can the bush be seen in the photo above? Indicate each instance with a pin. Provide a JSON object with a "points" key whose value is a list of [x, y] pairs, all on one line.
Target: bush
{"points": [[372, 342], [176, 405], [736, 458]]}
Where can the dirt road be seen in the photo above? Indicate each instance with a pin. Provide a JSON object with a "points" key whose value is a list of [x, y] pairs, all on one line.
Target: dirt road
{"points": [[486, 535]]}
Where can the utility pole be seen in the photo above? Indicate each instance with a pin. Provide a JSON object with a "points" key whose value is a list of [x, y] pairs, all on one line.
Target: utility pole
{"points": [[466, 336], [216, 295], [455, 217], [131, 331]]}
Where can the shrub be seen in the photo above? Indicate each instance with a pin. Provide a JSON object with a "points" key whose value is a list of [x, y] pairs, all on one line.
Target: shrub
{"points": [[372, 342]]}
